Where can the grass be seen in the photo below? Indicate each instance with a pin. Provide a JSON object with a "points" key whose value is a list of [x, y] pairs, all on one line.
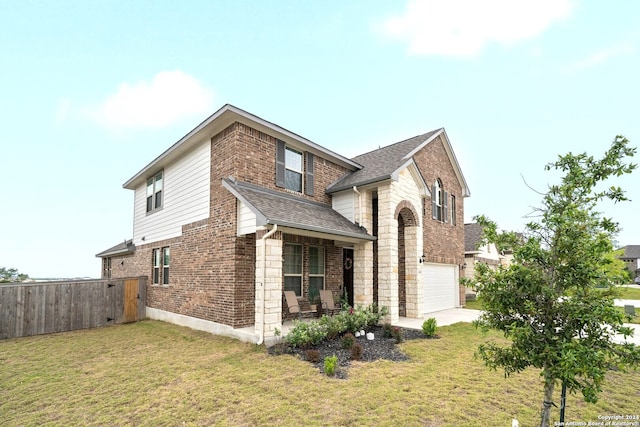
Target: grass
{"points": [[152, 373], [629, 293]]}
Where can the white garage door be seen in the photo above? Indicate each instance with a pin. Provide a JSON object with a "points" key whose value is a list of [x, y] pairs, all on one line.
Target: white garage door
{"points": [[440, 284]]}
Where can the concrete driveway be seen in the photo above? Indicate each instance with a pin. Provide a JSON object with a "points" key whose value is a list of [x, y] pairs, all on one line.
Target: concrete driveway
{"points": [[455, 315]]}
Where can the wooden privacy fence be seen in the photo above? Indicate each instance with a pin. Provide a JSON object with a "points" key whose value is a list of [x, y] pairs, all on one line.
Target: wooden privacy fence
{"points": [[43, 308]]}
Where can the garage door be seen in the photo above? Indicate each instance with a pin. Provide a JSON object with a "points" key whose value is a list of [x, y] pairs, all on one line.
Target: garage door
{"points": [[440, 284]]}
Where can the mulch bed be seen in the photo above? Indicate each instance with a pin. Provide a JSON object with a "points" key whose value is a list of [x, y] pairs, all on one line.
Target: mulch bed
{"points": [[376, 349]]}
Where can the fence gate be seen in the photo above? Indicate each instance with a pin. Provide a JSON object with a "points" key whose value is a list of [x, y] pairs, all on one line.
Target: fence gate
{"points": [[130, 300]]}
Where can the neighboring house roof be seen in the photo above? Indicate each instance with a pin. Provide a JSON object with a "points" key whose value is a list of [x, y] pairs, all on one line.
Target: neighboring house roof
{"points": [[472, 237], [275, 207], [385, 163], [125, 248], [219, 121], [631, 251]]}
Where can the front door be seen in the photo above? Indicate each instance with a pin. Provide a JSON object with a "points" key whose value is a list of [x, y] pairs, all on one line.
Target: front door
{"points": [[347, 263]]}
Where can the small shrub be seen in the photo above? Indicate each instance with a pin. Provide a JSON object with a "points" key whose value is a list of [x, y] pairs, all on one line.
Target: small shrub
{"points": [[429, 327], [356, 351], [312, 355], [330, 365], [397, 334], [305, 334], [386, 330], [348, 340]]}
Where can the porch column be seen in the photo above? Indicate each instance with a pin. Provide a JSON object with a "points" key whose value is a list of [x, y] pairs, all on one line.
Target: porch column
{"points": [[268, 284], [387, 253], [363, 254], [413, 271]]}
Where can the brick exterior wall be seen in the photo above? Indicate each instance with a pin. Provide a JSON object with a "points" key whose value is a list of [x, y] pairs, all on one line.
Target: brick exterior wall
{"points": [[212, 270]]}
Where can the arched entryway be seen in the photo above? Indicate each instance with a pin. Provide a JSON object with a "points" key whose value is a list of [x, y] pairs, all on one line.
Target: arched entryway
{"points": [[407, 217]]}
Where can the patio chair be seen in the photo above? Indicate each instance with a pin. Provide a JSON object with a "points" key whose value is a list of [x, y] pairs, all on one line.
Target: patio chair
{"points": [[326, 298], [292, 304]]}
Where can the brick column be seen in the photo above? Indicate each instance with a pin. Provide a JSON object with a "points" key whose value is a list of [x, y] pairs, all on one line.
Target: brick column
{"points": [[268, 283]]}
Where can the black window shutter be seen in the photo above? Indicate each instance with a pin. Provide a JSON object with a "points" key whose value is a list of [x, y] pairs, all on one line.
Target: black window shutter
{"points": [[445, 206], [434, 206], [309, 181], [280, 165]]}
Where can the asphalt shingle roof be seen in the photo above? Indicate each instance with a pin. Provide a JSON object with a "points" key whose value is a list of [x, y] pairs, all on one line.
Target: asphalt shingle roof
{"points": [[122, 248], [275, 207], [472, 236], [380, 164], [632, 251]]}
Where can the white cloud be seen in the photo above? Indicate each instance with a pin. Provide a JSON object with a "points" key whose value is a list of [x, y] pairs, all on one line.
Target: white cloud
{"points": [[465, 27], [167, 98], [600, 56]]}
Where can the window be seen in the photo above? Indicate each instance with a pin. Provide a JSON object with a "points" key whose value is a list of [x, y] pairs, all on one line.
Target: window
{"points": [[155, 262], [165, 265], [154, 192], [316, 268], [293, 170], [290, 167], [293, 268], [106, 268], [439, 202]]}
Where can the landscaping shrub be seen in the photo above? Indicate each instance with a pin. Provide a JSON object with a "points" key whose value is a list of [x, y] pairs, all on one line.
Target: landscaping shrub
{"points": [[305, 334], [429, 327], [397, 334], [356, 351], [348, 340], [386, 330], [312, 355], [330, 365]]}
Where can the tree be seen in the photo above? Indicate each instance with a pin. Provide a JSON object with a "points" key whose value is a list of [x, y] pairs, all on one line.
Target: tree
{"points": [[8, 275], [555, 301]]}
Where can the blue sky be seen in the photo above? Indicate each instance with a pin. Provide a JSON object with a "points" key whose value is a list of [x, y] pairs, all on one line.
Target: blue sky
{"points": [[92, 91]]}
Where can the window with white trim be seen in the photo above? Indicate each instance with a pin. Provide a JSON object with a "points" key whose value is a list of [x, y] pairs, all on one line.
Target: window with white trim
{"points": [[316, 269], [293, 268], [293, 170], [291, 164], [154, 192], [166, 257], [436, 200], [155, 262]]}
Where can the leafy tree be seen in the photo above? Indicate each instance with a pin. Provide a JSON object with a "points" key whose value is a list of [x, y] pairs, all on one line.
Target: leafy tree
{"points": [[8, 275], [555, 301]]}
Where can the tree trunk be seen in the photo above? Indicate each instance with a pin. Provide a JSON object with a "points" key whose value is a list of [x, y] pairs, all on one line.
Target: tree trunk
{"points": [[545, 415]]}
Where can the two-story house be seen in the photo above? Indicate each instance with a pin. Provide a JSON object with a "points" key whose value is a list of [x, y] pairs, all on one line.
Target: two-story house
{"points": [[241, 209]]}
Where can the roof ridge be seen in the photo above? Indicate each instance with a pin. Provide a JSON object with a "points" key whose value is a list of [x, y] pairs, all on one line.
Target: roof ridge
{"points": [[395, 143]]}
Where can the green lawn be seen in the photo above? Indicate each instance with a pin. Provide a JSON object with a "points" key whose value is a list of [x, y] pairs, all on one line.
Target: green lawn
{"points": [[629, 293], [152, 373]]}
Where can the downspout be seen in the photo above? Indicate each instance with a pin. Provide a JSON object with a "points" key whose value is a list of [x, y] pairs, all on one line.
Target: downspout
{"points": [[264, 276], [359, 205]]}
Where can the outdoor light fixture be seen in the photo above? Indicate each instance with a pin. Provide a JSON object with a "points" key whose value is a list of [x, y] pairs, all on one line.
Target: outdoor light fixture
{"points": [[464, 266], [421, 259]]}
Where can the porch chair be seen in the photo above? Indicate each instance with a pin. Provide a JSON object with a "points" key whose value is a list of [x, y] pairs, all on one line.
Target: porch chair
{"points": [[292, 304], [326, 298]]}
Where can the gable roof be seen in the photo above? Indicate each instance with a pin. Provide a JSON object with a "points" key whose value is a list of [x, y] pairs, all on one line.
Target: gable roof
{"points": [[472, 237], [275, 207], [631, 251], [124, 248], [386, 162], [219, 121]]}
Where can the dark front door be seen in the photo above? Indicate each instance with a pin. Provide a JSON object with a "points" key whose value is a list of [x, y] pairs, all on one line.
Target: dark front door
{"points": [[347, 263]]}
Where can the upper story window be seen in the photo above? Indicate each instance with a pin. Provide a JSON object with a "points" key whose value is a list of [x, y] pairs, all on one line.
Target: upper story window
{"points": [[294, 169], [440, 203], [154, 192]]}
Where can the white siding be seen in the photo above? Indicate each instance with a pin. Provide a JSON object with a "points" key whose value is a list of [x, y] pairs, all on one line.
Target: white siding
{"points": [[186, 191], [342, 203], [246, 220]]}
